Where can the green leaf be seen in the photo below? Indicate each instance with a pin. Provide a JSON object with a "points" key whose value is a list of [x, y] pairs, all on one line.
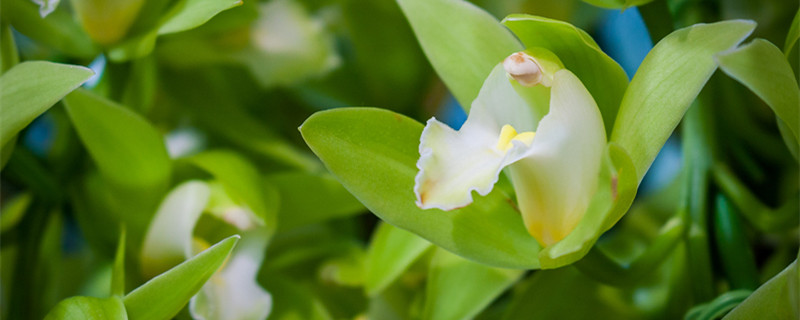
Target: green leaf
{"points": [[127, 149], [449, 296], [373, 152], [462, 42], [30, 88], [118, 271], [391, 251], [602, 76], [190, 14], [668, 80], [793, 35], [89, 308], [13, 210], [308, 198], [184, 15], [243, 182], [9, 56], [58, 30], [163, 296], [776, 299], [760, 66]]}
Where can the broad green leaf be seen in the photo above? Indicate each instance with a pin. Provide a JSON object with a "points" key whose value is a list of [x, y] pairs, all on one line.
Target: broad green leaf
{"points": [[776, 299], [190, 14], [719, 306], [127, 149], [601, 75], [760, 66], [391, 251], [793, 35], [30, 88], [373, 152], [243, 182], [105, 21], [462, 42], [13, 210], [668, 80], [163, 296], [118, 271], [308, 198], [88, 308], [58, 30], [459, 289]]}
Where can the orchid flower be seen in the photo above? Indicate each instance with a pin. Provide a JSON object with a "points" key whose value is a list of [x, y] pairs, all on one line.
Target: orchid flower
{"points": [[553, 160], [231, 293]]}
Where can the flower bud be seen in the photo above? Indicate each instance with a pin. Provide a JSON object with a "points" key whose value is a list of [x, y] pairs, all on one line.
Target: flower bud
{"points": [[523, 68]]}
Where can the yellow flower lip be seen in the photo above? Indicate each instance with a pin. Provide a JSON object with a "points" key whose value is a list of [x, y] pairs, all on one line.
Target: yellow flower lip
{"points": [[509, 134]]}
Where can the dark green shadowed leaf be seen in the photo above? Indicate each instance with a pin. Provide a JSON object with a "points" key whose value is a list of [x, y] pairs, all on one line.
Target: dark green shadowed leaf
{"points": [[391, 251], [601, 75], [9, 56], [243, 182], [373, 152], [668, 80], [760, 66], [793, 35], [58, 30], [163, 296], [308, 198], [30, 88], [459, 289], [118, 271], [88, 308], [462, 42]]}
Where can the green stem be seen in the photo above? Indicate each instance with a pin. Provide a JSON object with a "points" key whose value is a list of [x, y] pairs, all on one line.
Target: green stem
{"points": [[734, 250], [762, 217], [698, 151], [597, 265]]}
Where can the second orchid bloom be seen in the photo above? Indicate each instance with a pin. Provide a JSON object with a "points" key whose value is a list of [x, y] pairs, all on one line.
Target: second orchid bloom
{"points": [[534, 118]]}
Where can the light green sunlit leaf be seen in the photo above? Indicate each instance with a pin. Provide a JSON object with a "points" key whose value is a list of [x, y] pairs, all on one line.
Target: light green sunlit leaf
{"points": [[88, 308], [163, 296], [760, 66], [308, 198], [391, 251], [668, 80], [30, 88], [601, 75], [449, 296], [373, 152], [243, 182], [462, 42]]}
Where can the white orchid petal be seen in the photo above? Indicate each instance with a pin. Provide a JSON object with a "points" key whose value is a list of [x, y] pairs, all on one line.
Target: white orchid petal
{"points": [[454, 163], [557, 179], [169, 237], [234, 293]]}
